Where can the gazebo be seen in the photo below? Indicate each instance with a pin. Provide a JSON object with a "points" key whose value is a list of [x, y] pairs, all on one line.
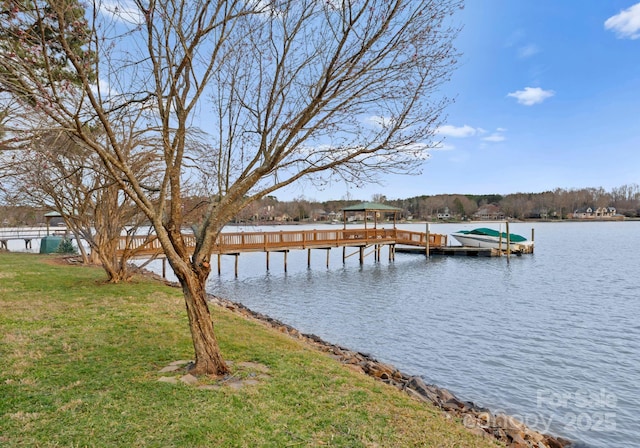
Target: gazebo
{"points": [[371, 207], [49, 216]]}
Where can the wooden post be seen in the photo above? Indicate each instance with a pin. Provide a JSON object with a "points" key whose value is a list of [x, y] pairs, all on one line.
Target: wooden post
{"points": [[285, 260], [532, 239], [427, 242], [267, 260], [237, 257], [508, 242], [164, 268], [328, 251], [219, 262], [308, 258], [344, 254], [361, 254]]}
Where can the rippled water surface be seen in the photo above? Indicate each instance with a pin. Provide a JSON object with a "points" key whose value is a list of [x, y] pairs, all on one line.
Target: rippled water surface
{"points": [[551, 338]]}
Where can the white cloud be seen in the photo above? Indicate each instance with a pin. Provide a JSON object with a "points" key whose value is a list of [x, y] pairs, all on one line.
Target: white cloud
{"points": [[379, 121], [458, 132], [625, 24], [531, 95], [527, 51], [495, 137], [123, 11], [103, 88]]}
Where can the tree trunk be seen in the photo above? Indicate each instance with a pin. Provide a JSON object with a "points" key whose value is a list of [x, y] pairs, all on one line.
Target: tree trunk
{"points": [[115, 267], [208, 358]]}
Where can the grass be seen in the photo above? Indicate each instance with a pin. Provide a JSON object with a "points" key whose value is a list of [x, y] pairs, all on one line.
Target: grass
{"points": [[79, 361]]}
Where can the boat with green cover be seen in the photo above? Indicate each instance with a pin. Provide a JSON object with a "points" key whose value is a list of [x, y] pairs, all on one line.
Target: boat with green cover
{"points": [[490, 238]]}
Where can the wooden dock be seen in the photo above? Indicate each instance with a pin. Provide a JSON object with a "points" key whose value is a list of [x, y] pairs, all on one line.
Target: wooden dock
{"points": [[27, 234], [241, 242], [236, 243]]}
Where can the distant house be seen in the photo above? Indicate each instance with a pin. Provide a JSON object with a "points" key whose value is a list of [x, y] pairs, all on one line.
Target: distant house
{"points": [[583, 213], [445, 214], [282, 218], [594, 213], [489, 212], [319, 214]]}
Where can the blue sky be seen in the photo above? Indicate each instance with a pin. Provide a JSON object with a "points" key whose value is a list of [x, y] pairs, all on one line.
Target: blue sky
{"points": [[547, 95]]}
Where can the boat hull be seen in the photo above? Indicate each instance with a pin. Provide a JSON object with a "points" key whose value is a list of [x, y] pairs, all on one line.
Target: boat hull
{"points": [[490, 242]]}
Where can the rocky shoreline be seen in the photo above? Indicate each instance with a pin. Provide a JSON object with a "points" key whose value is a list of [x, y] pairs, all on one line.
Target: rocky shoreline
{"points": [[481, 421]]}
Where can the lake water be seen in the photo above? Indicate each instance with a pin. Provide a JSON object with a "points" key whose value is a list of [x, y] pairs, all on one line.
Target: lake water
{"points": [[551, 338]]}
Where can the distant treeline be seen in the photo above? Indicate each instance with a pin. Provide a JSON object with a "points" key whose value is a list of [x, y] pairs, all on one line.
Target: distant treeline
{"points": [[557, 204]]}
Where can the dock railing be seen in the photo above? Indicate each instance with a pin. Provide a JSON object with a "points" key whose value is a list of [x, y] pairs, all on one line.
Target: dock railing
{"points": [[21, 233], [238, 242]]}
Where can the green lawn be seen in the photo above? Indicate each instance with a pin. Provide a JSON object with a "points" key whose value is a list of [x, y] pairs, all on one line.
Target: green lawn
{"points": [[79, 362]]}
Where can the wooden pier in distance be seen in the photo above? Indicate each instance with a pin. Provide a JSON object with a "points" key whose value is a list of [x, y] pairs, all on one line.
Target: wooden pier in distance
{"points": [[325, 239], [236, 243], [27, 234]]}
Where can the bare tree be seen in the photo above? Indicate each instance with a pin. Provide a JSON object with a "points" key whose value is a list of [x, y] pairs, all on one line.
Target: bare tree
{"points": [[281, 91], [379, 198], [58, 173]]}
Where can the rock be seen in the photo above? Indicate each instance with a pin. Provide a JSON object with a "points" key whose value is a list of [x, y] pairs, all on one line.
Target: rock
{"points": [[453, 404], [417, 395], [508, 422], [168, 379], [470, 422], [378, 369], [445, 395], [415, 383], [552, 442], [499, 434], [519, 445], [536, 437], [169, 368], [355, 368], [189, 379], [486, 418], [235, 385], [517, 438]]}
